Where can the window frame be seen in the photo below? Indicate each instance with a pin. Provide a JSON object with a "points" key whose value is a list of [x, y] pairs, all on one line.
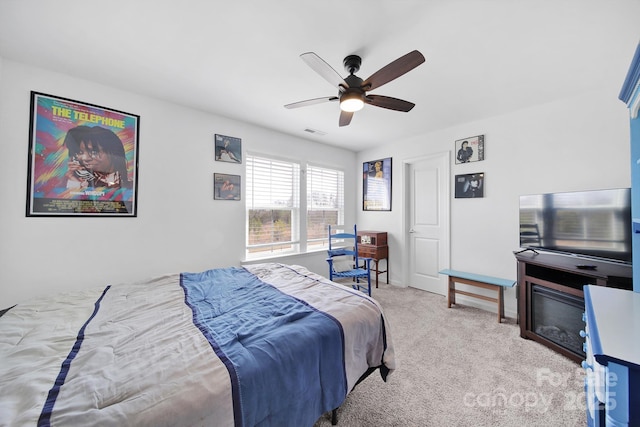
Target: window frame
{"points": [[324, 240], [299, 217], [294, 241]]}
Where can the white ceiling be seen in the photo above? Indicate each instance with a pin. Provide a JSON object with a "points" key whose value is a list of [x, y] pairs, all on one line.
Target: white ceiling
{"points": [[240, 59]]}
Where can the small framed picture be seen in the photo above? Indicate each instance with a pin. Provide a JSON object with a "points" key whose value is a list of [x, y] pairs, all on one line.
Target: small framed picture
{"points": [[228, 149], [226, 187], [376, 185], [470, 149], [470, 185]]}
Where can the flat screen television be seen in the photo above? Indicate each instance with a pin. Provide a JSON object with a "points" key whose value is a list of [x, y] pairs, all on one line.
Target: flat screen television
{"points": [[594, 224]]}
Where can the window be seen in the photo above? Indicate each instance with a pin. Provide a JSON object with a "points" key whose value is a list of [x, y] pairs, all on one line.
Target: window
{"points": [[273, 206], [325, 203], [280, 219]]}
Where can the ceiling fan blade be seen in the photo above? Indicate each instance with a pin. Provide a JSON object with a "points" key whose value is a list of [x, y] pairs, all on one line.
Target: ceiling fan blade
{"points": [[393, 70], [321, 67], [311, 102], [345, 118], [389, 103]]}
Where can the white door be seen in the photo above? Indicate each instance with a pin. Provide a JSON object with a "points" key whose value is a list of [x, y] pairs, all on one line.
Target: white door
{"points": [[427, 222]]}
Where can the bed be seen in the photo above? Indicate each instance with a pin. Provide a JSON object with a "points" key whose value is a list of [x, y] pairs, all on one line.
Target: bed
{"points": [[262, 345]]}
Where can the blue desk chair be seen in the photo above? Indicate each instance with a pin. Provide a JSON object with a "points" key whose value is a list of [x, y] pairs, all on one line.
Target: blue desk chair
{"points": [[344, 261]]}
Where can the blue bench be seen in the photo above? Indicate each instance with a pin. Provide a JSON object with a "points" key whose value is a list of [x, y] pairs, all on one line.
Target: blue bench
{"points": [[472, 279]]}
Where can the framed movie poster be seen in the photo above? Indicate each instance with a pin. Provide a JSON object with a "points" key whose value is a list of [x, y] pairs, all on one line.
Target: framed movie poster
{"points": [[470, 149], [83, 159], [376, 185], [226, 187], [228, 149], [470, 185]]}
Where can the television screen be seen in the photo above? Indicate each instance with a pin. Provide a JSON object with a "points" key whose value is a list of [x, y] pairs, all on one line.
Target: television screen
{"points": [[593, 223]]}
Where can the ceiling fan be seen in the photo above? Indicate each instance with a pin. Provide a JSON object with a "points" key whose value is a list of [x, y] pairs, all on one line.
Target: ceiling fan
{"points": [[352, 90]]}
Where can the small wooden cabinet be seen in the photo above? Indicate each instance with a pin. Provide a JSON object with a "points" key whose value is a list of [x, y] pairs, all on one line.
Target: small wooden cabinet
{"points": [[373, 244]]}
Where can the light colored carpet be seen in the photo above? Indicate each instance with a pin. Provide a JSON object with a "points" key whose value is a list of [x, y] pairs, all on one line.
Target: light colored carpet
{"points": [[460, 367]]}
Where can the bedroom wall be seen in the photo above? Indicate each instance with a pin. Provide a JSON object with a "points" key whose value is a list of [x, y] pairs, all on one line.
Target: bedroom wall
{"points": [[179, 226], [571, 144], [579, 143]]}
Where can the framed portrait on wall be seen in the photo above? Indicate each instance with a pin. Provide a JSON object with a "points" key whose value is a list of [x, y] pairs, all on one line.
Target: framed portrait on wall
{"points": [[226, 187], [376, 185], [470, 149], [228, 149], [469, 185], [83, 159]]}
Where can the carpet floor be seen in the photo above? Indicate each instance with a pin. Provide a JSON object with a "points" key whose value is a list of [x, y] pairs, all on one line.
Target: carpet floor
{"points": [[460, 367]]}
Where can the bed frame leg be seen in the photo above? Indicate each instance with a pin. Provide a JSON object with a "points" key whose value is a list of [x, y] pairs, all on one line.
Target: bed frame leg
{"points": [[334, 417]]}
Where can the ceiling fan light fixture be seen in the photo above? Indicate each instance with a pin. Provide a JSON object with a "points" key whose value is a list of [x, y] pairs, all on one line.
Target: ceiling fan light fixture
{"points": [[351, 101], [352, 90]]}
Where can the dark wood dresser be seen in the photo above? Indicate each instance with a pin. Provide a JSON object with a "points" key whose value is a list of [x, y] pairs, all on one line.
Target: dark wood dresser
{"points": [[551, 297]]}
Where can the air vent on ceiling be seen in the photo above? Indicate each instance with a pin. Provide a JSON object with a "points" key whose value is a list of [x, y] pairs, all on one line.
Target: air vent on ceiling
{"points": [[314, 131]]}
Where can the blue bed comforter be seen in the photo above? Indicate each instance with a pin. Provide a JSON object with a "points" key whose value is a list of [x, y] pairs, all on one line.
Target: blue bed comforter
{"points": [[279, 350]]}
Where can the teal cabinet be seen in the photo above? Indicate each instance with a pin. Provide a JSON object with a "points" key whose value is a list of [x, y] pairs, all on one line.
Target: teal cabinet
{"points": [[612, 364], [612, 316], [630, 95]]}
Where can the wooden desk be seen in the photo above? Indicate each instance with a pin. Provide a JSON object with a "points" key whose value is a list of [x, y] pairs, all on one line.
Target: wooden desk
{"points": [[373, 244]]}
